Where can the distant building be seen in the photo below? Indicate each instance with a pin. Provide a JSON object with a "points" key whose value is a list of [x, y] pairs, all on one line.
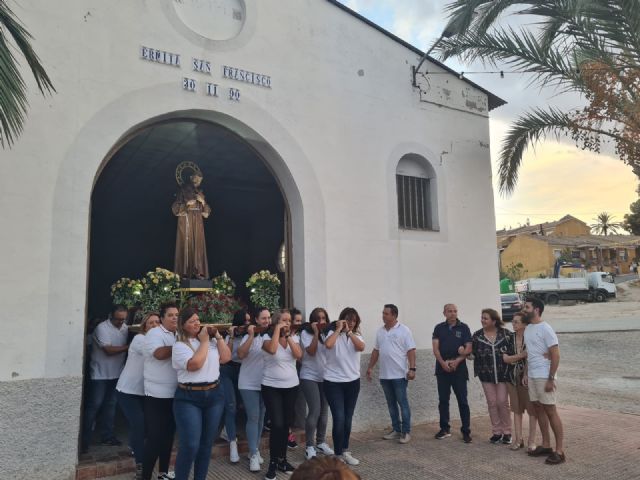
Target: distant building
{"points": [[537, 247]]}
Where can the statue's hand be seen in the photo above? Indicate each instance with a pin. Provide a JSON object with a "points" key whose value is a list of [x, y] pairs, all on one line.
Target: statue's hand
{"points": [[191, 203], [205, 214], [200, 198]]}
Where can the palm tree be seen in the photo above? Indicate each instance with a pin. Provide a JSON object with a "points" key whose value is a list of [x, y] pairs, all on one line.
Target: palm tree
{"points": [[588, 46], [13, 90], [605, 225]]}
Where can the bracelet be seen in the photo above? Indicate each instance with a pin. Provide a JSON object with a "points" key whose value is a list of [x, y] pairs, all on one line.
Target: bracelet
{"points": [[218, 337], [287, 336], [412, 369]]}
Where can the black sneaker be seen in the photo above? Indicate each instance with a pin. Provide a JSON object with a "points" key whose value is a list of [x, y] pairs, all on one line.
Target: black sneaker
{"points": [[285, 467], [271, 473], [495, 439], [466, 438], [506, 439], [443, 434], [291, 441]]}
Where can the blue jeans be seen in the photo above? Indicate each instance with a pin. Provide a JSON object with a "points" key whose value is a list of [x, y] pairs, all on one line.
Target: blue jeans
{"points": [[198, 415], [457, 383], [101, 399], [133, 408], [254, 407], [229, 379], [395, 391], [342, 398]]}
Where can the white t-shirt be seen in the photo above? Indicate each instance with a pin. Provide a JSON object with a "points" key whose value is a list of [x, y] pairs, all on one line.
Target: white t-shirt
{"points": [[312, 365], [103, 366], [343, 360], [539, 337], [131, 379], [393, 345], [250, 377], [160, 378], [280, 368], [182, 353]]}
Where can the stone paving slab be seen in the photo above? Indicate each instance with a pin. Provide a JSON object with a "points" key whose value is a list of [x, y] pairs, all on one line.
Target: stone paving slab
{"points": [[599, 445]]}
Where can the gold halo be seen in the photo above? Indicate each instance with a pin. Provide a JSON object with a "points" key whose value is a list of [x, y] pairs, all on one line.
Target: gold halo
{"points": [[184, 166]]}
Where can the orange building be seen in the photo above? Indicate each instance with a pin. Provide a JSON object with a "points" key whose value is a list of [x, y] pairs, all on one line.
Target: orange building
{"points": [[537, 247]]}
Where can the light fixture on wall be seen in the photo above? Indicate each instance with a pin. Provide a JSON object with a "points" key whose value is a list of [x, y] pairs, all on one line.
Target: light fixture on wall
{"points": [[281, 261]]}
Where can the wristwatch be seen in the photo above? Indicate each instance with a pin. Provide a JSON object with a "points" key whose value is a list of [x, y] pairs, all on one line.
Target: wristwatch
{"points": [[412, 369]]}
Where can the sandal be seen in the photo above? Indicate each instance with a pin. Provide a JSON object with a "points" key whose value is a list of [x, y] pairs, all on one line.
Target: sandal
{"points": [[540, 450], [517, 445], [555, 459]]}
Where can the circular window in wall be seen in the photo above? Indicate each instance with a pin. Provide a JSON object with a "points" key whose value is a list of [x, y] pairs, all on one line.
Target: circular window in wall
{"points": [[212, 19]]}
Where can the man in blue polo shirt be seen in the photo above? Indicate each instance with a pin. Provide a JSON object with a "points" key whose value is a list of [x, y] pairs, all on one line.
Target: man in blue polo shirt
{"points": [[451, 346]]}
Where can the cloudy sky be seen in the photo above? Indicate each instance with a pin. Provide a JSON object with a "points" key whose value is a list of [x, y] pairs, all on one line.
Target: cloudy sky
{"points": [[557, 178]]}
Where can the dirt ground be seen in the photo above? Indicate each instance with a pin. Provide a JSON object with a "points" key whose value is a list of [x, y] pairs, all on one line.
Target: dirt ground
{"points": [[600, 359]]}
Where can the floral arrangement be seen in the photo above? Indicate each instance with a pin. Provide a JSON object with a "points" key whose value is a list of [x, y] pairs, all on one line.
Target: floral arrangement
{"points": [[214, 307], [223, 284], [127, 292], [159, 287], [156, 287], [264, 289]]}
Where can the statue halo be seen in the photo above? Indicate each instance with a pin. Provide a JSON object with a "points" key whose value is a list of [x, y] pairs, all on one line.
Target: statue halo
{"points": [[193, 167]]}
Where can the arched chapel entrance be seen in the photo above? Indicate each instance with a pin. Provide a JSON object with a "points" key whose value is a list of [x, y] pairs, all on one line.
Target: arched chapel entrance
{"points": [[133, 229]]}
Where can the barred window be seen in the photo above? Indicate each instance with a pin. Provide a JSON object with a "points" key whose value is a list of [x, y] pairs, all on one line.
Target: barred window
{"points": [[413, 202], [415, 187]]}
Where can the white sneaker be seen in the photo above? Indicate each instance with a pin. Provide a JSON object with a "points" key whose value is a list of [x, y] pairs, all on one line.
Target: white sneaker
{"points": [[260, 459], [324, 448], [309, 453], [233, 451], [254, 463], [404, 438], [223, 435], [392, 435], [349, 459]]}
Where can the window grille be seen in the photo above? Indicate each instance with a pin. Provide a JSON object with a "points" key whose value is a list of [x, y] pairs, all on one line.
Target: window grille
{"points": [[414, 205]]}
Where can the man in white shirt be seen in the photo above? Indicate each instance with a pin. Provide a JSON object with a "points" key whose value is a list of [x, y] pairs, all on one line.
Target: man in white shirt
{"points": [[543, 359], [396, 350], [108, 354]]}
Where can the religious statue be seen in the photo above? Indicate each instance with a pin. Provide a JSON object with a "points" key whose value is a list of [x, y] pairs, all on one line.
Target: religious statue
{"points": [[191, 208]]}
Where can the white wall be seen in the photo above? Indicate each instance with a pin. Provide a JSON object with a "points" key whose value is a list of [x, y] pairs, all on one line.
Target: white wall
{"points": [[340, 114]]}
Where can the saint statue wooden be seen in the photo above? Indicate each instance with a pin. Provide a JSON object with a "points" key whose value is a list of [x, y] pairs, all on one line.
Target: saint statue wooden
{"points": [[191, 208]]}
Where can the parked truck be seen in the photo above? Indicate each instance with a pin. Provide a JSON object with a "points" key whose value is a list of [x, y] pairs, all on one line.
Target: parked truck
{"points": [[591, 287]]}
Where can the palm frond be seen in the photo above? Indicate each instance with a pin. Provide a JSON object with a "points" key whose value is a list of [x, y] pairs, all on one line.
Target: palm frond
{"points": [[13, 90], [528, 129], [517, 49]]}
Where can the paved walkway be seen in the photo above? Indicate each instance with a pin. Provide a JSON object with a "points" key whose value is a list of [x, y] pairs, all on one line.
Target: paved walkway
{"points": [[599, 445]]}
